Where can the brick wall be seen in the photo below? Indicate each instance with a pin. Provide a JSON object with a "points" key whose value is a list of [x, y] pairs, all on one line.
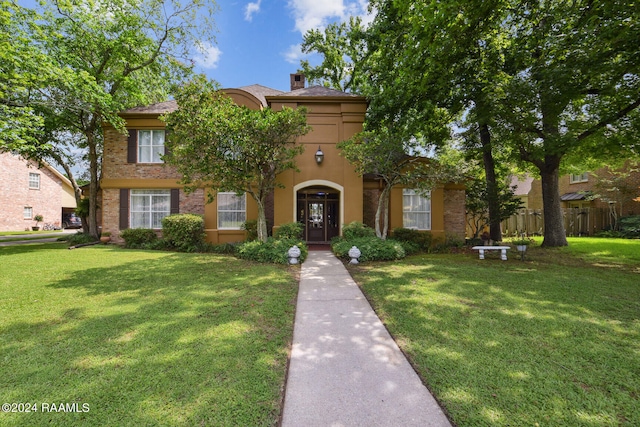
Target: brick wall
{"points": [[115, 164], [15, 194], [454, 214]]}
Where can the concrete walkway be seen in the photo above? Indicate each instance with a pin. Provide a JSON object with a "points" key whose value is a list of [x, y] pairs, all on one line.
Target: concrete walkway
{"points": [[345, 369]]}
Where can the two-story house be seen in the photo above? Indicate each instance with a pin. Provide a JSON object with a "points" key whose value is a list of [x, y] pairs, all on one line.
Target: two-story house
{"points": [[138, 190], [27, 190]]}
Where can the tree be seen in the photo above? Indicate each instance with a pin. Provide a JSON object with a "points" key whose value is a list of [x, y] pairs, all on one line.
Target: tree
{"points": [[342, 48], [217, 144], [110, 55], [545, 79], [393, 159]]}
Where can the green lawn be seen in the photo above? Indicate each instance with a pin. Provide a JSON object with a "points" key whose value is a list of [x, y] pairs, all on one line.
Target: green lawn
{"points": [[554, 340], [142, 337]]}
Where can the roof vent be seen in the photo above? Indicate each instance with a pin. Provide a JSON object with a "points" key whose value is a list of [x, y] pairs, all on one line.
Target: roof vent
{"points": [[297, 81]]}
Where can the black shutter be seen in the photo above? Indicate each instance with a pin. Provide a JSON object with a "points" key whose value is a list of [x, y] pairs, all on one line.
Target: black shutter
{"points": [[175, 201], [167, 151], [124, 208], [132, 146]]}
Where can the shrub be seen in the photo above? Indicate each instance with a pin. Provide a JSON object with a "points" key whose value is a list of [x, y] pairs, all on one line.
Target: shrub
{"points": [[221, 248], [251, 227], [372, 248], [77, 238], [445, 245], [422, 239], [290, 230], [630, 226], [185, 232], [410, 248], [272, 251], [356, 229], [135, 238]]}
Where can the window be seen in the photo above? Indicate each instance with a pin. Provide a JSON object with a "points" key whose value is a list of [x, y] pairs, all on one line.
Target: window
{"points": [[583, 177], [27, 212], [150, 146], [232, 211], [148, 207], [34, 181], [416, 209]]}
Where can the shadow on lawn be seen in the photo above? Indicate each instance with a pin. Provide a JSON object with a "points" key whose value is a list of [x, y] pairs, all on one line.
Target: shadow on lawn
{"points": [[177, 340], [500, 345]]}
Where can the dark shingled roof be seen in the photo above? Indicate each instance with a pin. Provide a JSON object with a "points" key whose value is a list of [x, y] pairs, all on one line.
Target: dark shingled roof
{"points": [[261, 92], [572, 196], [159, 108], [318, 91]]}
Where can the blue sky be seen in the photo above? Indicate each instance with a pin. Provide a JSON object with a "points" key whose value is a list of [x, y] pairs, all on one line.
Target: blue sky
{"points": [[259, 41]]}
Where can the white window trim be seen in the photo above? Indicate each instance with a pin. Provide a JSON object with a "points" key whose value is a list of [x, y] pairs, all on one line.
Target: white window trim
{"points": [[151, 146], [140, 192], [35, 181], [243, 211], [415, 193], [578, 178], [25, 210]]}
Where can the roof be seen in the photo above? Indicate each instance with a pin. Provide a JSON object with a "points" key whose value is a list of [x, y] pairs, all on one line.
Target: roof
{"points": [[573, 196], [261, 92], [159, 108], [319, 91], [523, 185]]}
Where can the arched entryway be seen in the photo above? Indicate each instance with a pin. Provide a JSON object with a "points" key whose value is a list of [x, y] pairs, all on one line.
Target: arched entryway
{"points": [[318, 209]]}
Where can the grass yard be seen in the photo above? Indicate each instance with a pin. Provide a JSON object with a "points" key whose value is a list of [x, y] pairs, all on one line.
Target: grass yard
{"points": [[142, 338], [552, 341]]}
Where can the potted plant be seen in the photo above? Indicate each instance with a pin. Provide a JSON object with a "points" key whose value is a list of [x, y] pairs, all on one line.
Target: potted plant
{"points": [[105, 236], [521, 244], [38, 218]]}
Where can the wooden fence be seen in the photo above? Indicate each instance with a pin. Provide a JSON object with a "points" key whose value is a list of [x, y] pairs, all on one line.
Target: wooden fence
{"points": [[577, 222]]}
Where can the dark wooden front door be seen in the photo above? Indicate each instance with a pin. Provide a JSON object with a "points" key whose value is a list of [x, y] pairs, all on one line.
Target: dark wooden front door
{"points": [[319, 212]]}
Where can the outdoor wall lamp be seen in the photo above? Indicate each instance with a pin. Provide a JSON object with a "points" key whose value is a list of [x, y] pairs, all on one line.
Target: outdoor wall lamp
{"points": [[319, 155]]}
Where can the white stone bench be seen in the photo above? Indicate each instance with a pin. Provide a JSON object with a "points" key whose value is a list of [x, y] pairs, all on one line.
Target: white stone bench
{"points": [[502, 249]]}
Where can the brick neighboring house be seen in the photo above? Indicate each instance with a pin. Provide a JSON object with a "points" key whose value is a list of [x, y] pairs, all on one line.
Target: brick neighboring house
{"points": [[588, 206], [138, 190], [27, 191]]}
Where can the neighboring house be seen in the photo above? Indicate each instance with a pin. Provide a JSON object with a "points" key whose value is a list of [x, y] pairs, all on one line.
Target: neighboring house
{"points": [[27, 191], [138, 190], [591, 201]]}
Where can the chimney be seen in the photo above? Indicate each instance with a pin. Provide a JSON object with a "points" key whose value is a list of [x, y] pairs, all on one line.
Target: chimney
{"points": [[297, 81]]}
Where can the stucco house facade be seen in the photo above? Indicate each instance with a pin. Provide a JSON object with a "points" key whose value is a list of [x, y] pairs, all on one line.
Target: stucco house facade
{"points": [[138, 189], [27, 190]]}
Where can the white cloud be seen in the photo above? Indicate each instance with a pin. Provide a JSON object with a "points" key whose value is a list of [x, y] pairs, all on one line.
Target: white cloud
{"points": [[312, 14], [251, 9], [294, 54], [209, 55]]}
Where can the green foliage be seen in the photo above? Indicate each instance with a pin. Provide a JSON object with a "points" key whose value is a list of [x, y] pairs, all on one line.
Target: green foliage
{"points": [[273, 251], [477, 199], [77, 238], [371, 247], [137, 237], [630, 226], [446, 244], [421, 238], [356, 229], [38, 218], [251, 227], [221, 248], [184, 232], [220, 145], [290, 230]]}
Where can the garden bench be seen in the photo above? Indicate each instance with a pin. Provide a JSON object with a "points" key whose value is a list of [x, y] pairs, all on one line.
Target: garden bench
{"points": [[502, 249]]}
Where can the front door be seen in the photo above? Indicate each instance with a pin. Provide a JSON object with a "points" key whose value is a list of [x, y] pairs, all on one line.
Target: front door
{"points": [[318, 210]]}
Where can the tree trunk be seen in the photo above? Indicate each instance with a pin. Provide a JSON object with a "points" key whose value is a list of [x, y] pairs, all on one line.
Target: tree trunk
{"points": [[382, 213], [493, 203], [93, 184], [554, 232], [263, 234]]}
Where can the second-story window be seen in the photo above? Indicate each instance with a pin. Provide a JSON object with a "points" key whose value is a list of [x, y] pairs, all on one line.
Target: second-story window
{"points": [[34, 181], [575, 178], [150, 146]]}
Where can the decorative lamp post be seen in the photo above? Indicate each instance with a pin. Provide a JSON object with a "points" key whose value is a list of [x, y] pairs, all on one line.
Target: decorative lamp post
{"points": [[319, 155], [354, 253], [294, 254]]}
